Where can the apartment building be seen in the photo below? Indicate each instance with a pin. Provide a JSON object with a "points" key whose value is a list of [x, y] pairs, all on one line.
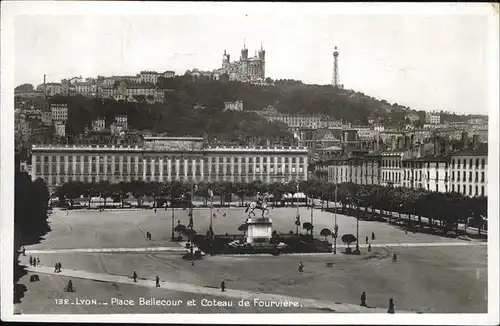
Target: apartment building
{"points": [[233, 106], [432, 118], [391, 168], [429, 173], [59, 112], [469, 172]]}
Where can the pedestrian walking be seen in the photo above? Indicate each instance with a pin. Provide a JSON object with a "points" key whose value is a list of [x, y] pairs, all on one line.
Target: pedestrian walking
{"points": [[192, 261], [56, 268], [134, 276], [59, 266], [369, 247], [38, 261], [70, 287], [157, 282], [406, 231], [301, 267], [31, 261], [363, 299], [366, 240], [373, 235], [391, 306], [222, 285]]}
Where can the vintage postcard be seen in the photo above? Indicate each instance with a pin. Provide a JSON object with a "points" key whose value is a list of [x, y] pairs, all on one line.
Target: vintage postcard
{"points": [[249, 162]]}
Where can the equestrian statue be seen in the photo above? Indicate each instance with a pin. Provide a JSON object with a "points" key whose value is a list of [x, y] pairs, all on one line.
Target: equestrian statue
{"points": [[261, 204]]}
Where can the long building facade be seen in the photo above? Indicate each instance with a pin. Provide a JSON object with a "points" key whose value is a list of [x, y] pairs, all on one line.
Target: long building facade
{"points": [[463, 171], [60, 164]]}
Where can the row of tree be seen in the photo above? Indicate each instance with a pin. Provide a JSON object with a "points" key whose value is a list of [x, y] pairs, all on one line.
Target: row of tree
{"points": [[30, 220], [446, 208]]}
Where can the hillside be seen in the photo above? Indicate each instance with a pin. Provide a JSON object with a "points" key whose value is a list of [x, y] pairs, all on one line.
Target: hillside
{"points": [[173, 119], [178, 116], [287, 97]]}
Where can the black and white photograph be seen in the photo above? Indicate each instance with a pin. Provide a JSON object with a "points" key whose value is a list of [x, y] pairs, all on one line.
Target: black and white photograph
{"points": [[318, 163]]}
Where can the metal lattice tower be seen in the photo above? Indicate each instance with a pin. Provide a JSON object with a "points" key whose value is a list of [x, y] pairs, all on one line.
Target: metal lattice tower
{"points": [[335, 78]]}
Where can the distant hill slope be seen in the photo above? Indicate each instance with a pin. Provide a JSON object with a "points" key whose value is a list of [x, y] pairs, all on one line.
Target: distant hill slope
{"points": [[174, 119], [285, 96]]}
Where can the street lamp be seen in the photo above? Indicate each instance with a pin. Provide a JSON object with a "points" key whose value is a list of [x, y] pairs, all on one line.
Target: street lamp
{"points": [[336, 228], [173, 216]]}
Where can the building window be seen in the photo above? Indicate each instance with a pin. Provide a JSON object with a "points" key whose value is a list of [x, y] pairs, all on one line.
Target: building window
{"points": [[464, 176], [477, 177], [452, 188], [470, 190], [470, 176], [458, 163], [437, 188], [477, 163], [476, 193], [482, 163], [446, 188], [470, 164], [464, 189], [482, 190], [445, 176], [482, 176]]}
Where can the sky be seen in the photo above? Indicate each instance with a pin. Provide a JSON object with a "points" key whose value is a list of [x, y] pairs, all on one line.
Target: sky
{"points": [[427, 62]]}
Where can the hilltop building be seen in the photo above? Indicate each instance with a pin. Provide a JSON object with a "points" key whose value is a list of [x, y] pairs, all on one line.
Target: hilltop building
{"points": [[246, 69]]}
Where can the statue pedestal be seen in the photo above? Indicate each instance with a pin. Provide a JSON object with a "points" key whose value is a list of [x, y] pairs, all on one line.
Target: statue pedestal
{"points": [[259, 230]]}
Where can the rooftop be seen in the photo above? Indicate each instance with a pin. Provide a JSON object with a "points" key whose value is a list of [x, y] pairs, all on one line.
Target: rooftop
{"points": [[481, 151], [173, 138], [209, 149], [438, 158]]}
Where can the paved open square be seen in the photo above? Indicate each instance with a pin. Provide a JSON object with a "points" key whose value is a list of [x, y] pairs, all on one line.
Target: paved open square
{"points": [[100, 250]]}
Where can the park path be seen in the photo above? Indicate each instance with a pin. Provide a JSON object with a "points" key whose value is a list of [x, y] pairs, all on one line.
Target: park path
{"points": [[210, 291], [182, 248]]}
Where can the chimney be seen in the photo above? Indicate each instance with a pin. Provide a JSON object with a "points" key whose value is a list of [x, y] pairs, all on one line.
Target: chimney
{"points": [[442, 147], [475, 141], [465, 140], [447, 146], [394, 143], [437, 146]]}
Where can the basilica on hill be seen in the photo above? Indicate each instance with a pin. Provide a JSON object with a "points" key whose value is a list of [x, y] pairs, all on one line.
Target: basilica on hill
{"points": [[246, 69]]}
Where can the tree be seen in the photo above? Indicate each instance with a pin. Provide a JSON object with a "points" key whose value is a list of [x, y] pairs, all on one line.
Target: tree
{"points": [[138, 190], [243, 228], [348, 239], [30, 220], [325, 233], [25, 88], [90, 191], [240, 191], [104, 190], [308, 227], [180, 229]]}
